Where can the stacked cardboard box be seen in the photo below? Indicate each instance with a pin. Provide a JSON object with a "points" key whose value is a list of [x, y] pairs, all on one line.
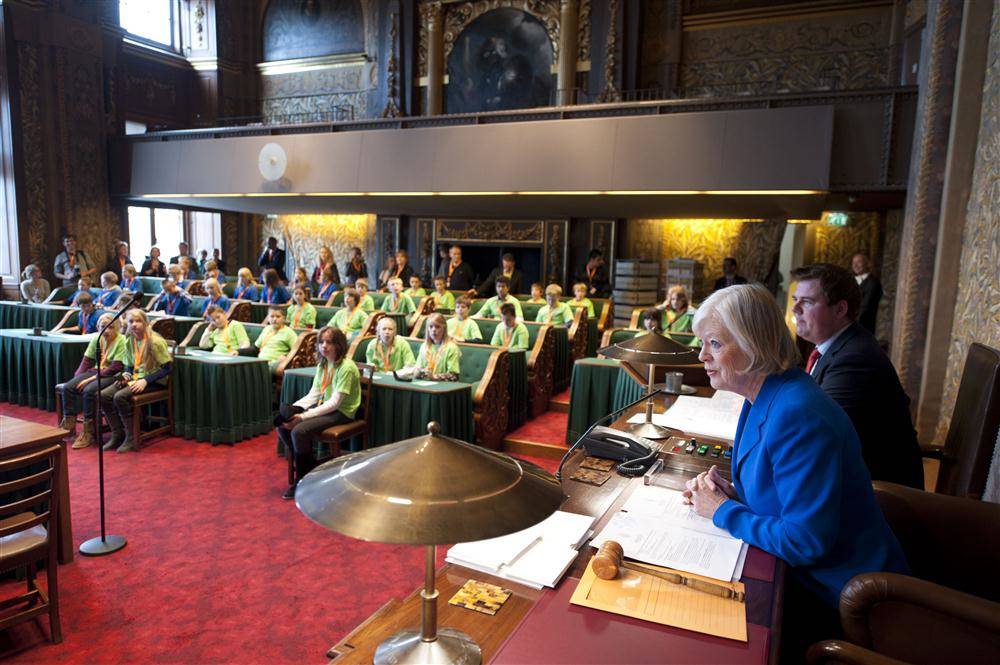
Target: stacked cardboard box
{"points": [[635, 285]]}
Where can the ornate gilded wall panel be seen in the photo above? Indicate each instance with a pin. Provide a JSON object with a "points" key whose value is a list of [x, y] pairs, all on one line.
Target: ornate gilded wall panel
{"points": [[837, 244], [425, 249], [35, 215], [386, 242], [555, 252], [303, 235], [889, 271], [977, 307], [298, 96], [309, 28], [489, 231]]}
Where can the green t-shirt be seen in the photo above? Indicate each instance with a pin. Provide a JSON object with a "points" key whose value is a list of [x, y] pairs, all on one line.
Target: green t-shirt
{"points": [[561, 314], [346, 378], [400, 356], [415, 293], [518, 337], [440, 359], [368, 303], [275, 343], [444, 301], [404, 305], [467, 330], [156, 346], [306, 315], [233, 338], [491, 308], [349, 322], [116, 351], [583, 303], [535, 301]]}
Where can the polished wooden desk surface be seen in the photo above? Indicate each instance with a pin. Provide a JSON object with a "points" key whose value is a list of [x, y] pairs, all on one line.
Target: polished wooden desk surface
{"points": [[18, 437], [490, 632]]}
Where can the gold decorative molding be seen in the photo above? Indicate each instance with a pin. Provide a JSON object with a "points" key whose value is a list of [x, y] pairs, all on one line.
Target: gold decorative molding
{"points": [[756, 15], [299, 65], [489, 231]]}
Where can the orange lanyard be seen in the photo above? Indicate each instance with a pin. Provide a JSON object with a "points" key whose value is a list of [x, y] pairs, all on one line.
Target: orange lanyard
{"points": [[297, 316], [104, 347], [451, 269], [139, 353], [72, 260], [266, 335], [548, 319], [507, 334], [327, 378], [224, 334], [432, 360], [386, 354], [462, 326], [590, 274]]}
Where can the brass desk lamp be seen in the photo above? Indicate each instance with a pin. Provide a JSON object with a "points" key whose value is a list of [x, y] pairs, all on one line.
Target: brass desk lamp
{"points": [[652, 350], [429, 490]]}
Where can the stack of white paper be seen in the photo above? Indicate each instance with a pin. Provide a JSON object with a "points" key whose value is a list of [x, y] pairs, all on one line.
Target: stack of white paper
{"points": [[537, 556], [716, 417], [656, 527]]}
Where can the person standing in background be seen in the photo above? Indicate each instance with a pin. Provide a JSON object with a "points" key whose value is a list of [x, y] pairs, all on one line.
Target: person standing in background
{"points": [[871, 291], [460, 275], [273, 258], [325, 260], [508, 269], [356, 267], [729, 274], [71, 264], [595, 275], [119, 259], [217, 257]]}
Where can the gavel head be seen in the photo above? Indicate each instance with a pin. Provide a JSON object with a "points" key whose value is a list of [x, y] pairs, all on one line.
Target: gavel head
{"points": [[607, 563]]}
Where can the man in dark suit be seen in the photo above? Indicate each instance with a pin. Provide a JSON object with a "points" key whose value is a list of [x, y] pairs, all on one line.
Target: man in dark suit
{"points": [[273, 258], [729, 274], [507, 269], [460, 275], [871, 290], [595, 275], [851, 368]]}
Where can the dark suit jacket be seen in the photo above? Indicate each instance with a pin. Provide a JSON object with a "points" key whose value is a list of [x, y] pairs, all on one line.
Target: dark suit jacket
{"points": [[721, 282], [277, 262], [406, 273], [148, 271], [463, 279], [601, 283], [871, 294], [856, 373], [489, 289]]}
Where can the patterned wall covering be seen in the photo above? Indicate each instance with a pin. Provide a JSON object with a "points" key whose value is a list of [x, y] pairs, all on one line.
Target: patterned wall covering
{"points": [[846, 50], [977, 307], [889, 271], [309, 28], [838, 244], [303, 235]]}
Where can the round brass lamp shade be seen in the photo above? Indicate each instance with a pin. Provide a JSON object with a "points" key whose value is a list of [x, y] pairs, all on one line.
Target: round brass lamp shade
{"points": [[429, 490], [651, 349]]}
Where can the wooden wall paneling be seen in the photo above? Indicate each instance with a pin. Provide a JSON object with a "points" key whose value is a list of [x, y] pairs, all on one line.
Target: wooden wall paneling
{"points": [[10, 254], [387, 241]]}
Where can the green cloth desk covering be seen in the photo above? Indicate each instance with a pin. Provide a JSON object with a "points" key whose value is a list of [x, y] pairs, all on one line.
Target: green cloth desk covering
{"points": [[220, 398], [16, 315], [599, 386], [400, 410], [31, 367]]}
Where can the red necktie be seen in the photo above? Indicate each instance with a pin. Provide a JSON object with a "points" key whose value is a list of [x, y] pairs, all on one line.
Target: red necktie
{"points": [[811, 362]]}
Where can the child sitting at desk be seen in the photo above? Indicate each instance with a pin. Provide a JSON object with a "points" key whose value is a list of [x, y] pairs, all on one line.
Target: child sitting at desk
{"points": [[328, 283], [555, 312], [276, 340], [538, 294], [83, 286], [111, 346], [350, 318], [109, 290], [301, 278], [415, 291], [86, 320], [130, 279], [385, 352], [214, 297], [173, 300], [439, 357], [397, 302], [510, 334], [272, 292], [580, 299], [301, 313], [246, 286], [443, 298], [491, 308], [364, 298], [221, 336], [461, 327], [650, 322]]}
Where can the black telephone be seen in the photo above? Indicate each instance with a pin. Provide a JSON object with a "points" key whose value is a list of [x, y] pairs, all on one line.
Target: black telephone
{"points": [[618, 445]]}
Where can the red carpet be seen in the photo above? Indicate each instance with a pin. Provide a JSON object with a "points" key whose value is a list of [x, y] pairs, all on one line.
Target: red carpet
{"points": [[550, 428], [217, 569]]}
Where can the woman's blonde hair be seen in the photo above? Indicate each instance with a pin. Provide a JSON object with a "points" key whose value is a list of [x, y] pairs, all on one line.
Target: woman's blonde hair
{"points": [[750, 315], [211, 282], [28, 269], [247, 275], [149, 358]]}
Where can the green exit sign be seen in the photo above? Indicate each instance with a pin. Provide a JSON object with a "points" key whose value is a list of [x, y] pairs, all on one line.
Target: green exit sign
{"points": [[836, 218]]}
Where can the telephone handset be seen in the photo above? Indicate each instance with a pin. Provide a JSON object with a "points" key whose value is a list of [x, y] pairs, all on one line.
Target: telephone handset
{"points": [[623, 447]]}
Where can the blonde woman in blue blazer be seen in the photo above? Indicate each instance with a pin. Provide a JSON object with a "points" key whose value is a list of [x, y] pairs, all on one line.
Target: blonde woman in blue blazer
{"points": [[800, 488]]}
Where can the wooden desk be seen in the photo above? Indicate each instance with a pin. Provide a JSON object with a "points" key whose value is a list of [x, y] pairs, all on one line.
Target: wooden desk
{"points": [[19, 437], [491, 632]]}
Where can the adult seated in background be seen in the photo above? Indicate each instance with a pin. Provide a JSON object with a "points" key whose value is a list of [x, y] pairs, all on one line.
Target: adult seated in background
{"points": [[439, 358], [183, 252], [462, 328], [202, 261], [276, 340], [83, 285], [491, 308], [365, 299], [34, 288], [678, 315], [84, 384], [443, 298], [595, 276], [385, 353], [871, 291], [555, 311], [416, 291], [86, 320], [119, 259], [403, 270], [324, 262], [300, 278], [223, 336], [729, 274], [397, 302], [147, 365], [852, 369], [153, 266], [511, 333], [333, 399], [356, 267], [219, 262], [506, 269], [109, 290], [273, 258], [272, 291], [213, 297], [329, 282], [71, 264], [460, 275], [350, 318], [246, 286], [580, 299], [538, 294], [800, 488], [172, 300], [388, 272], [130, 279], [212, 271], [650, 322], [301, 313], [177, 273]]}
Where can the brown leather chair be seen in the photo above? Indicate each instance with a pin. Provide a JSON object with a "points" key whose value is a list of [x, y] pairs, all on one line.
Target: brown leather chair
{"points": [[28, 535], [972, 434], [949, 610]]}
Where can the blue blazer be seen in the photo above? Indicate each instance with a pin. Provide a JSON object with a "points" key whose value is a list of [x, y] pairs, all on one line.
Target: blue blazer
{"points": [[805, 493]]}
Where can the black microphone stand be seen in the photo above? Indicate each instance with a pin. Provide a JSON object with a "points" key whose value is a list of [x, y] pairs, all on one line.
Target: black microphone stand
{"points": [[597, 422], [104, 544]]}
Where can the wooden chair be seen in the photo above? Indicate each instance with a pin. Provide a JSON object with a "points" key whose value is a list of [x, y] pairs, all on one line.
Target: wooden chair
{"points": [[27, 538], [196, 287], [239, 310], [148, 398]]}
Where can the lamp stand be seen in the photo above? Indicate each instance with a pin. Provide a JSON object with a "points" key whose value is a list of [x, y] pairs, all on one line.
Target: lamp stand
{"points": [[429, 645], [648, 429]]}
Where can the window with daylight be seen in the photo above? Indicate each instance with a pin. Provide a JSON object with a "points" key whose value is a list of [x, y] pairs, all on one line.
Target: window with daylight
{"points": [[154, 227], [152, 20]]}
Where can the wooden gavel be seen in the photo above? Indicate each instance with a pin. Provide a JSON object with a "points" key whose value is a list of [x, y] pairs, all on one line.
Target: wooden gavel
{"points": [[610, 560]]}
